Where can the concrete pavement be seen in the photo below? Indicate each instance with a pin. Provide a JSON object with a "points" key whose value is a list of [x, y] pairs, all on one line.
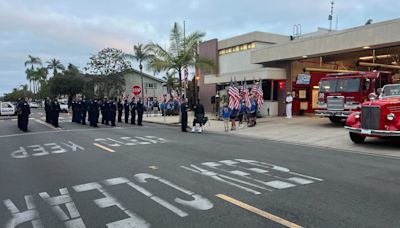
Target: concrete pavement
{"points": [[302, 130]]}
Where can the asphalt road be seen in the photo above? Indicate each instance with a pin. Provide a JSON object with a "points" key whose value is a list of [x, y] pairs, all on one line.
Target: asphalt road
{"points": [[156, 176]]}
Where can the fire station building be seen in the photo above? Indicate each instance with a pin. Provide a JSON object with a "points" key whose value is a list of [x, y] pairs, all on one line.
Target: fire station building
{"points": [[296, 63]]}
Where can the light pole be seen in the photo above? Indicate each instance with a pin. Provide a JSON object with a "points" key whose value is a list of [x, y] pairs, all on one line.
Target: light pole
{"points": [[141, 77]]}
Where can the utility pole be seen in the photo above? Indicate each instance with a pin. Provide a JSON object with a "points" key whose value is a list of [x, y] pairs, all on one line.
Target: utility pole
{"points": [[330, 17]]}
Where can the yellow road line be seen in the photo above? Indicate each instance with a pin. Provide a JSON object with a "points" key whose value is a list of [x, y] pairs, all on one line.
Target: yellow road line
{"points": [[258, 211], [104, 148]]}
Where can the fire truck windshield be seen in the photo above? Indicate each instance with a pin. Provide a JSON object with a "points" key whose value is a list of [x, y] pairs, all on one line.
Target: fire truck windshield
{"points": [[391, 90], [340, 85]]}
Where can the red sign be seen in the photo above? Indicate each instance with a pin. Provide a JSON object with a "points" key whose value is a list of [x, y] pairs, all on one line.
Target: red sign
{"points": [[136, 90]]}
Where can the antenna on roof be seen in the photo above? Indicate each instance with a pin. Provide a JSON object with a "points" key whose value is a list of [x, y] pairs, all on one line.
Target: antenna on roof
{"points": [[368, 22], [330, 17]]}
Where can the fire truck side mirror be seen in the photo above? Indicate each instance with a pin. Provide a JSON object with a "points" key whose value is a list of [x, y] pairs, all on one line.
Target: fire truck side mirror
{"points": [[367, 84]]}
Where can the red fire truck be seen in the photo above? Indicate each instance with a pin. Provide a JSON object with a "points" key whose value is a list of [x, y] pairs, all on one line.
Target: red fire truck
{"points": [[342, 93], [379, 117]]}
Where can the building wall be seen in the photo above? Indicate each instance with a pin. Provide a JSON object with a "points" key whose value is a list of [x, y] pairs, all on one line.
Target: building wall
{"points": [[134, 78], [208, 49], [239, 61], [353, 39]]}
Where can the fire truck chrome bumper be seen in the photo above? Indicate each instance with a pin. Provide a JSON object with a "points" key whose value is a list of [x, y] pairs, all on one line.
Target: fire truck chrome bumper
{"points": [[373, 132], [323, 113]]}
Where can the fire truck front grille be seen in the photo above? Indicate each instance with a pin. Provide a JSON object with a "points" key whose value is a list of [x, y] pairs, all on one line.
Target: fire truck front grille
{"points": [[335, 103], [370, 118]]}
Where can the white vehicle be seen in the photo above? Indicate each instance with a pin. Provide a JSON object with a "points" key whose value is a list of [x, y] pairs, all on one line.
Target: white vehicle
{"points": [[33, 104], [7, 109], [64, 107]]}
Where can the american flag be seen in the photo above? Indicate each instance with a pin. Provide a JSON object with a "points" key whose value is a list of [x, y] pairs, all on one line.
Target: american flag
{"points": [[246, 94], [234, 96], [258, 93]]}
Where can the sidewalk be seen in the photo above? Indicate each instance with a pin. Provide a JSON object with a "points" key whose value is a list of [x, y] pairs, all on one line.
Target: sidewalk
{"points": [[303, 130]]}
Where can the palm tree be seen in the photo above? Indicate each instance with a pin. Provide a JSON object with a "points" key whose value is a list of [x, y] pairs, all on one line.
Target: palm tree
{"points": [[55, 65], [171, 82], [31, 61], [141, 53], [182, 52]]}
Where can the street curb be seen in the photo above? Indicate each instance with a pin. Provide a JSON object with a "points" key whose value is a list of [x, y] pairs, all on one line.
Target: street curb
{"points": [[290, 143], [167, 124]]}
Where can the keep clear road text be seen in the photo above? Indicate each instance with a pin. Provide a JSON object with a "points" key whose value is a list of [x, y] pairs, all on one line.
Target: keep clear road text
{"points": [[250, 176]]}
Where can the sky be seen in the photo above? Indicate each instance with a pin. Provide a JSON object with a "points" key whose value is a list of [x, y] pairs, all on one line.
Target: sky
{"points": [[73, 30]]}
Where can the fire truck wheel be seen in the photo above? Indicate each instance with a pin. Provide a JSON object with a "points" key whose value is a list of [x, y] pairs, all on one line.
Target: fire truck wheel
{"points": [[357, 138], [335, 119]]}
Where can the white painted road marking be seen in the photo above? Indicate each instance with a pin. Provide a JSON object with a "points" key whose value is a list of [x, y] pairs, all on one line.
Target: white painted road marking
{"points": [[45, 149], [66, 210], [18, 217], [244, 179], [73, 218], [109, 200]]}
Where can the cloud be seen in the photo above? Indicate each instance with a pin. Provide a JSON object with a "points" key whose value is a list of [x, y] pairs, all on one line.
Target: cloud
{"points": [[72, 30]]}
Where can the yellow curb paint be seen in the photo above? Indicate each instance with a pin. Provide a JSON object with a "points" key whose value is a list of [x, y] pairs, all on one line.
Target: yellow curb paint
{"points": [[258, 211], [104, 148]]}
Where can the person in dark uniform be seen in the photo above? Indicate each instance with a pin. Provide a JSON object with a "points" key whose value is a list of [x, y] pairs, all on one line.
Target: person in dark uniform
{"points": [[96, 111], [90, 116], [55, 112], [140, 110], [126, 110], [120, 108], [198, 116], [103, 110], [73, 107], [107, 111], [19, 112], [113, 111], [47, 109], [83, 111], [93, 109], [184, 115], [78, 110], [133, 111], [25, 112]]}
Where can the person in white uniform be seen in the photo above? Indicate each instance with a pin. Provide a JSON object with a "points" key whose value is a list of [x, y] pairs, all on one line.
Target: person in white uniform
{"points": [[289, 100]]}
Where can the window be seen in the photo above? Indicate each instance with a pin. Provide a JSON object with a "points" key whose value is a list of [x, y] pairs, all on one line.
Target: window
{"points": [[149, 85], [340, 85]]}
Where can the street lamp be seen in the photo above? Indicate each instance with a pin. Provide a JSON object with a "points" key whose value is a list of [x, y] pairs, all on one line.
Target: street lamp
{"points": [[141, 77]]}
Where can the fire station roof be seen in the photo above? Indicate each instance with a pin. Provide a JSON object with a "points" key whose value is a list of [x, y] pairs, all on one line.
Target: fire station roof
{"points": [[378, 35]]}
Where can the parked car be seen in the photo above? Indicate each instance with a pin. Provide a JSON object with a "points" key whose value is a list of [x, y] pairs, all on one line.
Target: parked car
{"points": [[64, 107], [379, 117], [7, 109], [33, 104]]}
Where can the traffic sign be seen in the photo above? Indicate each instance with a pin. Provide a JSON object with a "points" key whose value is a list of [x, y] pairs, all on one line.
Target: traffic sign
{"points": [[136, 90]]}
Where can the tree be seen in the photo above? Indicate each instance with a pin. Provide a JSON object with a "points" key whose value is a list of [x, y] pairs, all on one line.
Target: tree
{"points": [[182, 52], [21, 91], [141, 54], [171, 82], [66, 85], [72, 69], [109, 64], [33, 61], [55, 65]]}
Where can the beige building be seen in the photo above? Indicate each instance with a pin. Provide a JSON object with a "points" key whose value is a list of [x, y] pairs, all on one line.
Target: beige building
{"points": [[154, 87], [279, 59]]}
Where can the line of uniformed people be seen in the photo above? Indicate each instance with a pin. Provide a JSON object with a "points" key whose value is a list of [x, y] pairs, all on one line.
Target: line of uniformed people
{"points": [[52, 110], [109, 108]]}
